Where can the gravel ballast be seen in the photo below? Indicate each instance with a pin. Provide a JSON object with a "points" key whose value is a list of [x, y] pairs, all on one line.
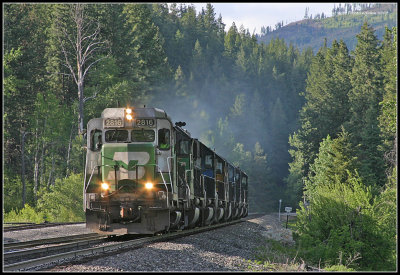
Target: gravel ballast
{"points": [[224, 249]]}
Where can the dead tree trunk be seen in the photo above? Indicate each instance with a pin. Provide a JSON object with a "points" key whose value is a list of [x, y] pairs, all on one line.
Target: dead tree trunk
{"points": [[85, 44]]}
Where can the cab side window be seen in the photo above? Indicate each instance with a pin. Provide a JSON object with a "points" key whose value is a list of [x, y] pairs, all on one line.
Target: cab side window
{"points": [[95, 140], [163, 139]]}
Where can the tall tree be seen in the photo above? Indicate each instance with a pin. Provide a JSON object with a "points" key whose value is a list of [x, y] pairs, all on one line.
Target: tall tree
{"points": [[364, 98], [146, 57], [82, 48], [327, 104], [388, 112], [25, 39]]}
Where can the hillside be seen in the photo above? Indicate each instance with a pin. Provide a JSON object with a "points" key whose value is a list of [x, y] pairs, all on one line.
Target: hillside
{"points": [[312, 32]]}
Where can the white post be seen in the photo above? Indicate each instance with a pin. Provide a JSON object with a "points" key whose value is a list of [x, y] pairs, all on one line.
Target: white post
{"points": [[280, 201]]}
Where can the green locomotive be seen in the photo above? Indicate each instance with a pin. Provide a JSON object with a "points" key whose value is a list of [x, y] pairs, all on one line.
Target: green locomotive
{"points": [[143, 175]]}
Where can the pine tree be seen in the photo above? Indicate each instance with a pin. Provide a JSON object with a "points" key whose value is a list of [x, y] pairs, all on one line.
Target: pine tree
{"points": [[198, 65], [388, 112], [364, 98], [146, 57], [278, 156], [231, 45], [325, 110]]}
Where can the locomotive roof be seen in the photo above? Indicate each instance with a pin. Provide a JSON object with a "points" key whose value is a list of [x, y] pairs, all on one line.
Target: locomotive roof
{"points": [[139, 112], [224, 159], [183, 131]]}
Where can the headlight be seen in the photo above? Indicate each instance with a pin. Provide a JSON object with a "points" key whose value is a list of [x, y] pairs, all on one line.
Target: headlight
{"points": [[105, 186], [148, 185], [128, 113]]}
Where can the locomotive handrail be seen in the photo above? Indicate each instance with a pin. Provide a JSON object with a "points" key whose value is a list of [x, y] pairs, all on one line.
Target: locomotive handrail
{"points": [[188, 187], [215, 192], [169, 172], [87, 183], [91, 175], [224, 187], [204, 189]]}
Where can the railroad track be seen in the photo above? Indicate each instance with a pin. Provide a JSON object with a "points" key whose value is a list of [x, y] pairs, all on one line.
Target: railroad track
{"points": [[106, 248], [15, 252], [20, 245], [24, 226]]}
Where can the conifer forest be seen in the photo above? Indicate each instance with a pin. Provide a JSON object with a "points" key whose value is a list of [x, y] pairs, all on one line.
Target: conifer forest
{"points": [[317, 129]]}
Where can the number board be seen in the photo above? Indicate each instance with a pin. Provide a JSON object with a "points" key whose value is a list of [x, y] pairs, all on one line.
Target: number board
{"points": [[145, 122], [113, 123]]}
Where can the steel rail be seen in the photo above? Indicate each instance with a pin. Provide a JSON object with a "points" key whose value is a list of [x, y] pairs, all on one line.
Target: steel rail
{"points": [[18, 223], [35, 226], [13, 254], [111, 247], [19, 245]]}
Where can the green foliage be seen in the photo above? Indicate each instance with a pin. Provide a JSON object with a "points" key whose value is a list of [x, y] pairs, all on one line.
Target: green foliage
{"points": [[10, 82], [337, 221], [238, 107], [342, 218], [364, 98], [384, 212], [26, 214], [334, 159], [146, 55], [325, 110], [340, 268], [63, 202], [388, 112], [240, 97], [13, 188]]}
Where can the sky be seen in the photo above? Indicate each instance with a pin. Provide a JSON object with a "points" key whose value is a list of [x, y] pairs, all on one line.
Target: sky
{"points": [[255, 15]]}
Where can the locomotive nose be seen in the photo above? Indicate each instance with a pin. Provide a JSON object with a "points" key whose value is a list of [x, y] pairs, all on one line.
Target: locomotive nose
{"points": [[132, 162]]}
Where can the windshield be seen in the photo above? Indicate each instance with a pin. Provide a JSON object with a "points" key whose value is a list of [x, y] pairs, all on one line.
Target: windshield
{"points": [[142, 135], [116, 136]]}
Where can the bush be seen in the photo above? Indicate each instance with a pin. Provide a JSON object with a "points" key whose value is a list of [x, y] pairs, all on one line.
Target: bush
{"points": [[340, 223], [13, 189], [63, 203], [26, 214], [344, 224]]}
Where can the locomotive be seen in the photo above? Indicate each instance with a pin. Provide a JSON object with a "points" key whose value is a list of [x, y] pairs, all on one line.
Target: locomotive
{"points": [[144, 175]]}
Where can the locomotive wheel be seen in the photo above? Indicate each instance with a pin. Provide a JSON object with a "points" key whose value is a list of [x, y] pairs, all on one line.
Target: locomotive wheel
{"points": [[192, 217], [208, 215], [219, 214], [175, 218], [228, 213]]}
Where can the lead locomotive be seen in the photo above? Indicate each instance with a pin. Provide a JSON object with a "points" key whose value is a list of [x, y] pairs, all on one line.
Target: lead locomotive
{"points": [[143, 175]]}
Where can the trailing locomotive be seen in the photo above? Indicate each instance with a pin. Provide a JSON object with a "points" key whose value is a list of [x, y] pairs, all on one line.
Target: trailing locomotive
{"points": [[143, 175]]}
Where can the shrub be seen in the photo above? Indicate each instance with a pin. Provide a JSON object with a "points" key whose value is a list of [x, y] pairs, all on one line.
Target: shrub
{"points": [[63, 203], [344, 224], [26, 214]]}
